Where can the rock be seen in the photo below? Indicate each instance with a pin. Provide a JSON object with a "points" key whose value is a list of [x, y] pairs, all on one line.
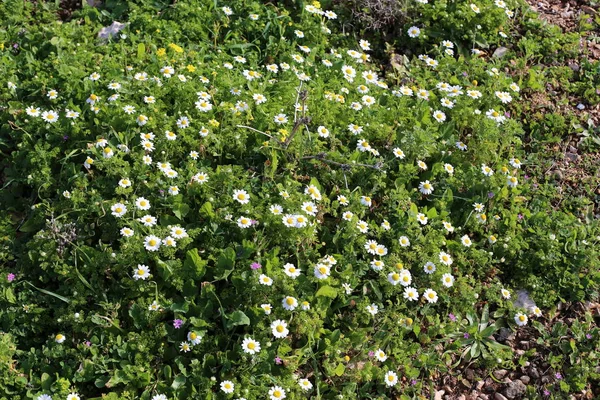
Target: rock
{"points": [[571, 157], [546, 379], [439, 394], [479, 385], [499, 374], [500, 52], [470, 374], [525, 379], [519, 352], [524, 344], [111, 30], [465, 383], [523, 300], [498, 396], [461, 397], [482, 396], [535, 374], [515, 390]]}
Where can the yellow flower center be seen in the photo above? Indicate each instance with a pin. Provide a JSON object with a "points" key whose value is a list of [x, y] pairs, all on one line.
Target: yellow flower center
{"points": [[323, 270], [279, 328], [395, 276], [292, 269], [289, 301], [140, 272], [390, 378], [193, 336], [251, 345], [152, 242]]}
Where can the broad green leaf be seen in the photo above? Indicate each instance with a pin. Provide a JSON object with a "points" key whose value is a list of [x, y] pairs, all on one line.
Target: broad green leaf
{"points": [[195, 264], [327, 291], [237, 318], [141, 51], [179, 381]]}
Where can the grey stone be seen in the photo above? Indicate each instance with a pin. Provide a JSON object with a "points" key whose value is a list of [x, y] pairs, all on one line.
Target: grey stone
{"points": [[498, 396], [515, 390], [479, 385], [525, 379], [499, 374], [523, 300], [439, 394], [500, 52], [111, 30]]}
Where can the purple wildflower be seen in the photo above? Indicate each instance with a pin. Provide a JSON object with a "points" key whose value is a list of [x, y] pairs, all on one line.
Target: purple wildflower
{"points": [[177, 323], [490, 195], [588, 335], [558, 375], [10, 277], [88, 343], [255, 265], [546, 392], [466, 335], [278, 360], [520, 216], [66, 137], [371, 353], [413, 382], [452, 317]]}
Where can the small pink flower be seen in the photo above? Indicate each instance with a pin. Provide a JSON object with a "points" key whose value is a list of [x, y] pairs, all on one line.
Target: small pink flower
{"points": [[278, 360], [255, 265], [10, 277]]}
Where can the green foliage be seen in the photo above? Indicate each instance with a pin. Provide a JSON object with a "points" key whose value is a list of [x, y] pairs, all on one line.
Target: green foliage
{"points": [[295, 209]]}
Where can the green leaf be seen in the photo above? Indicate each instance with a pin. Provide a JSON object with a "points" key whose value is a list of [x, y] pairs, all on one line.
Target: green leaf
{"points": [[207, 210], [101, 381], [9, 295], [181, 210], [46, 381], [327, 291], [137, 314], [31, 225], [182, 307], [58, 296], [237, 318], [432, 213], [141, 51], [179, 381], [195, 264], [225, 264], [339, 370], [167, 372]]}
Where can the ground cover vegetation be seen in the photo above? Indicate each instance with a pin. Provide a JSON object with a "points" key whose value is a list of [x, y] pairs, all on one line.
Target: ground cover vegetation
{"points": [[275, 200]]}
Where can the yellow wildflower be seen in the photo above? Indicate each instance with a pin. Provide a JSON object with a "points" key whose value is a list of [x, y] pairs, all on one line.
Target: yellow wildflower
{"points": [[175, 48], [161, 52], [316, 4], [213, 122], [191, 68]]}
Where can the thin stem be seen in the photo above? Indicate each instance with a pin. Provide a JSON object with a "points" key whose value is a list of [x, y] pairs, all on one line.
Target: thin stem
{"points": [[255, 130]]}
